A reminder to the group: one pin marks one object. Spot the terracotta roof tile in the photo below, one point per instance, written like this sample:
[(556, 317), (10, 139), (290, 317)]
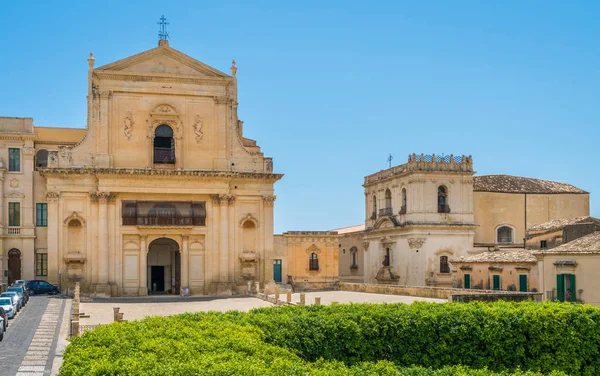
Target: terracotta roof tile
[(518, 184), (589, 244), (506, 255), (558, 224)]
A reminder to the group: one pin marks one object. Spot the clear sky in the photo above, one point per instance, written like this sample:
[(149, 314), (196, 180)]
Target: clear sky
[(331, 88)]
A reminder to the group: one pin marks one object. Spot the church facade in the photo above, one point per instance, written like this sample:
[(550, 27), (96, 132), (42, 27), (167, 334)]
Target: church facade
[(161, 194)]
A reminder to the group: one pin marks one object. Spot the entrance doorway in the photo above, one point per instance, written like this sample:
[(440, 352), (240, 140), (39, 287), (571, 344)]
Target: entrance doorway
[(164, 267), (14, 265), (277, 270)]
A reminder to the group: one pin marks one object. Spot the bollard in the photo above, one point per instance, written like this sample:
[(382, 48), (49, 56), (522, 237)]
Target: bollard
[(116, 313), (276, 294), (288, 297), (120, 316), (317, 300), (74, 328), (249, 287), (256, 287), (302, 299)]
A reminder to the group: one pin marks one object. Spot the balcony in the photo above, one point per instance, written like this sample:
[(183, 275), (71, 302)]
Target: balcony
[(402, 210), (164, 155), (13, 231), (164, 213), (386, 212)]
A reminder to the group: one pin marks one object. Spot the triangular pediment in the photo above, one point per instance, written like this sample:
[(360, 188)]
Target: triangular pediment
[(162, 60)]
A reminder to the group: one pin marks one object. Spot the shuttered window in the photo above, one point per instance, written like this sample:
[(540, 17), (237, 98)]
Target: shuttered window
[(467, 281)]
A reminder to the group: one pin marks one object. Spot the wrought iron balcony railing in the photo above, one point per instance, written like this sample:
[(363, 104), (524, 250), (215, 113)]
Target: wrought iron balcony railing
[(385, 212)]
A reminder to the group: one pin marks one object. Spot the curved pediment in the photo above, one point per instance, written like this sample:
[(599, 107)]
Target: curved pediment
[(383, 223)]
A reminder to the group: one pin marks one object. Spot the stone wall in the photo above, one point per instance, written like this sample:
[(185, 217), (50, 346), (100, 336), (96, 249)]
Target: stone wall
[(494, 297), (432, 292)]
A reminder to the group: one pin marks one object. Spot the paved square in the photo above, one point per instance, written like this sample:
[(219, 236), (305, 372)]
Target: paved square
[(101, 311)]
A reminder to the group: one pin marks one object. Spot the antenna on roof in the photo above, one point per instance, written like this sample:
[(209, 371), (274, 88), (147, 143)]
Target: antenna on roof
[(162, 32)]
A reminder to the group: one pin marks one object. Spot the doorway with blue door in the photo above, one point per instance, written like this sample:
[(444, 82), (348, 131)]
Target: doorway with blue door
[(277, 270)]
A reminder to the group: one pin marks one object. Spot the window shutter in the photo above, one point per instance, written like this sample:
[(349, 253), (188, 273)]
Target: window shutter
[(560, 287), (467, 281), (573, 297)]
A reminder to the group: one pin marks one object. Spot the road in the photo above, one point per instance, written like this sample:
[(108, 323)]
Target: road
[(30, 338)]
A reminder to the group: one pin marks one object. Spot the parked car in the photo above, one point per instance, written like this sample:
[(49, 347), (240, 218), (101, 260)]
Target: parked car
[(7, 306), (21, 282), (14, 297), (1, 329), (42, 287), (4, 315), (22, 293)]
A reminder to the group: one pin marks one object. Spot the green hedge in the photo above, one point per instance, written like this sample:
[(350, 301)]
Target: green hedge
[(360, 339)]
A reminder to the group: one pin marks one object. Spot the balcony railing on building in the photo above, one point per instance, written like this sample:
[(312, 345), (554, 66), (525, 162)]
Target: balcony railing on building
[(164, 155), (385, 212), (14, 231), (164, 213)]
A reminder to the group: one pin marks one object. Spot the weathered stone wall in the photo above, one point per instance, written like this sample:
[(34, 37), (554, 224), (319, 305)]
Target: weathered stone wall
[(424, 291), (494, 297), (572, 232)]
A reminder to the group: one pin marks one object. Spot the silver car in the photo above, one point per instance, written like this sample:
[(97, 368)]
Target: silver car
[(8, 306), (15, 299)]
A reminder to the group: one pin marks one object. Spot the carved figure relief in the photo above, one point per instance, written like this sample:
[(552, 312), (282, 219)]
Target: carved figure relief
[(128, 122), (14, 183), (313, 249), (198, 125)]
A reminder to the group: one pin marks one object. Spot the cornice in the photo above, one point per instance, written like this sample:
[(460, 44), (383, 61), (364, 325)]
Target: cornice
[(17, 136), (162, 77), (154, 172)]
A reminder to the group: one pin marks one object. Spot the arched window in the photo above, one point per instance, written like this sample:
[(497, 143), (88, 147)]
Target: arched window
[(444, 266), (388, 203), (164, 145), (313, 262), (386, 258), (41, 158), (354, 253), (505, 234), (443, 206), (403, 208), (374, 215)]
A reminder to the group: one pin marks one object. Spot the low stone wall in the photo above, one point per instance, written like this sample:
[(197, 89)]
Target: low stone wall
[(438, 292), (492, 297)]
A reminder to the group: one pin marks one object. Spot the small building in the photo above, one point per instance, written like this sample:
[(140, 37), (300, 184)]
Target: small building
[(513, 269), (351, 253), (308, 259), (552, 233), (570, 271)]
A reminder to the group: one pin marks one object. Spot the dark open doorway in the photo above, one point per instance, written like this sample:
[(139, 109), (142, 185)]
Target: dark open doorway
[(157, 279)]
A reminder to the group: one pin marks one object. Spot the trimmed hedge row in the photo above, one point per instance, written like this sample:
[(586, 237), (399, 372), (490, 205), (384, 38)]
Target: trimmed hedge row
[(359, 339)]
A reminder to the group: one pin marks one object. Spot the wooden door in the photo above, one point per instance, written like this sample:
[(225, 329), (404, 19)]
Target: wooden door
[(277, 270), (14, 265)]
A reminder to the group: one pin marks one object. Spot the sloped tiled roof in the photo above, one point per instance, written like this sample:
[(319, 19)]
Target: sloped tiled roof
[(558, 224), (589, 244), (518, 184), (506, 255)]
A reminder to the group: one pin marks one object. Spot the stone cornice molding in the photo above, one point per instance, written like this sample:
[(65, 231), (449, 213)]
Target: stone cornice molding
[(14, 194), (18, 136), (414, 243), (163, 77), (28, 151), (156, 172), (269, 200), (216, 200), (222, 99)]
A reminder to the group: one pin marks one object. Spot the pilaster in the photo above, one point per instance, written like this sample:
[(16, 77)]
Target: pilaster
[(143, 261), (224, 243), (185, 262), (54, 262)]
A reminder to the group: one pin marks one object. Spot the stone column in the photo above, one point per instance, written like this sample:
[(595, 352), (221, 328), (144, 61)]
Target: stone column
[(224, 243), (232, 231), (54, 227), (266, 272), (103, 238), (143, 261), (185, 269), (2, 199)]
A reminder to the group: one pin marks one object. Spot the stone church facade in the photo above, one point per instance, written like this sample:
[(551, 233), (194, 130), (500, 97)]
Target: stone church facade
[(162, 193)]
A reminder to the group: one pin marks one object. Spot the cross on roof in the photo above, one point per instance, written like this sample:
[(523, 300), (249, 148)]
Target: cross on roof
[(162, 32)]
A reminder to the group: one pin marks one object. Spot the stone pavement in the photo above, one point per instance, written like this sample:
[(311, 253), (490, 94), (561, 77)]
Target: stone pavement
[(31, 336), (101, 310)]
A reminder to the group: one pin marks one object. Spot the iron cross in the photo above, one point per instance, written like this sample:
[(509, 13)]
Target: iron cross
[(162, 33), (389, 159)]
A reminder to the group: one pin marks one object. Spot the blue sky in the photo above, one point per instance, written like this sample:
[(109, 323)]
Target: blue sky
[(330, 88)]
